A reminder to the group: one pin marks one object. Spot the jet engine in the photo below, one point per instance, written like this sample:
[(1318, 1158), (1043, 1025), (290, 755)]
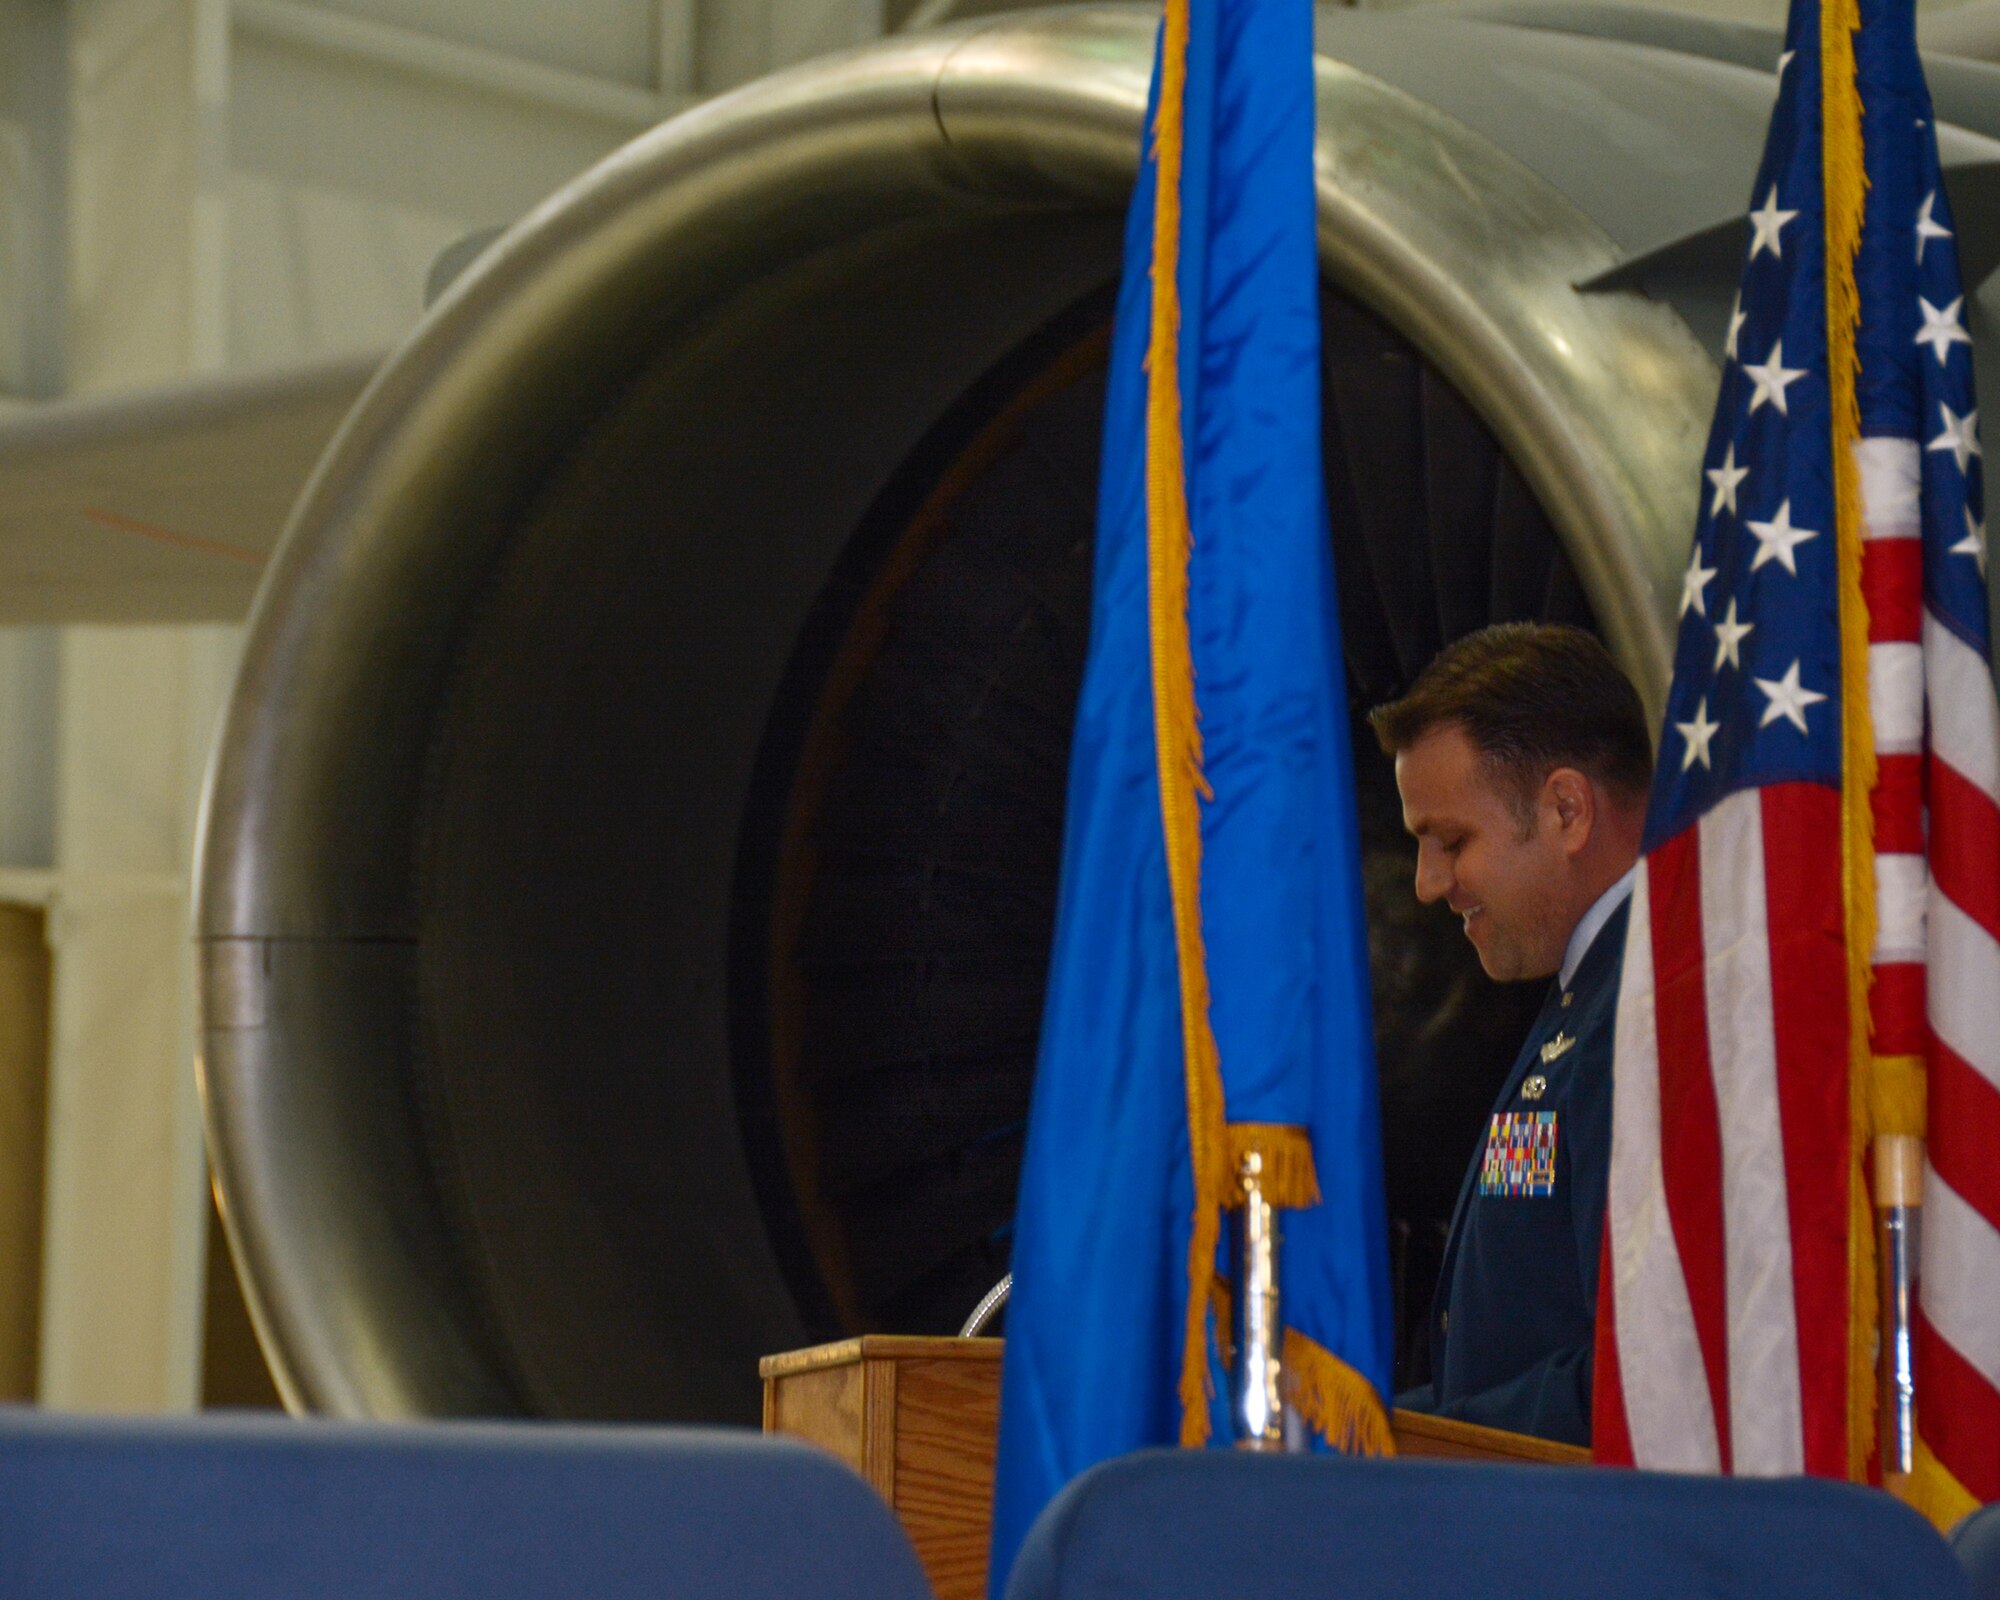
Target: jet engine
[(630, 857)]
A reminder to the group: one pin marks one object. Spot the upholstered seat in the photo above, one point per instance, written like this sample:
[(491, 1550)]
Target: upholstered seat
[(1170, 1524), (241, 1507)]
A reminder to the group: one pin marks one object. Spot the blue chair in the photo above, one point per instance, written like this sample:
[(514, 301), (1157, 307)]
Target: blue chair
[(1170, 1524), (1976, 1543), (242, 1507)]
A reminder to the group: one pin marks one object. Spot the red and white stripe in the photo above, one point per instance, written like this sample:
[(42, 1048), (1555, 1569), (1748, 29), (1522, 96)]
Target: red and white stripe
[(1958, 1326), (1725, 1247), (1937, 956), (1892, 584)]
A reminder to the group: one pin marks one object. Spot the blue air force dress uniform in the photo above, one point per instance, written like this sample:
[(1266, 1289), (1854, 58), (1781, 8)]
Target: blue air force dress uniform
[(1514, 1320)]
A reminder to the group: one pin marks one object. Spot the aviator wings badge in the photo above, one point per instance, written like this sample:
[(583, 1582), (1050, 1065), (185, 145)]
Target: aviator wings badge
[(1560, 1045)]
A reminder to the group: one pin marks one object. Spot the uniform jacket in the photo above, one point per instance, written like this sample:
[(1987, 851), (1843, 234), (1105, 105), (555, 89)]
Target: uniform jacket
[(1514, 1319)]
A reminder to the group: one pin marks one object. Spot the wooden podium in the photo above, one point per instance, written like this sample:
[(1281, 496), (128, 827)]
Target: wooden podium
[(918, 1418)]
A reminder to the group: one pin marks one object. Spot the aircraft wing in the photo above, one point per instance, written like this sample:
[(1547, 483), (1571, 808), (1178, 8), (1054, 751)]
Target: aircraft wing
[(162, 505)]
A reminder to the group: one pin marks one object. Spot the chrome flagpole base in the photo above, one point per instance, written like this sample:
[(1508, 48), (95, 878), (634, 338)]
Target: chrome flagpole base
[(1255, 1406)]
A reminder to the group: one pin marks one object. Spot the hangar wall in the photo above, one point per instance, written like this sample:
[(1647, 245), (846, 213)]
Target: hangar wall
[(197, 186)]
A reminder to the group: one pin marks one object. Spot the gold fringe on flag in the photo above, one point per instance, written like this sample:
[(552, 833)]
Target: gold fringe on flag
[(1176, 721), (1289, 1179), (1336, 1402), (1845, 185), (1932, 1490)]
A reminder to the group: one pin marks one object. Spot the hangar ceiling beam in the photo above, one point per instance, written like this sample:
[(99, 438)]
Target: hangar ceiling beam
[(380, 44)]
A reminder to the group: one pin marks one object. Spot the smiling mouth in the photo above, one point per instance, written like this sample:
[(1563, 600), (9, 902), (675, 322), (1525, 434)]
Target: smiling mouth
[(1468, 914)]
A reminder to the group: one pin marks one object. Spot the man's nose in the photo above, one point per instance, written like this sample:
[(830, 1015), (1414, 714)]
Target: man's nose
[(1433, 881)]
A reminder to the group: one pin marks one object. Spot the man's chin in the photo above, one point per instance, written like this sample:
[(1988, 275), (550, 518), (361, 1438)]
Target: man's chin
[(1502, 961), (1509, 966)]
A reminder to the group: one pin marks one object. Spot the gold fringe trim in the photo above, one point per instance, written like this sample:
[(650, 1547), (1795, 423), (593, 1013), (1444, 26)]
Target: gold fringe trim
[(1290, 1179), (1845, 184), (1933, 1490), (1176, 720), (1336, 1402), (1896, 1095)]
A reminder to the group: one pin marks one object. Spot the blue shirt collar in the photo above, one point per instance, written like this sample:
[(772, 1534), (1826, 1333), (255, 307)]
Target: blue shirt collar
[(1592, 923)]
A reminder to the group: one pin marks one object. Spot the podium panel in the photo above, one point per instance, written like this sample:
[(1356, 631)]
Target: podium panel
[(919, 1419)]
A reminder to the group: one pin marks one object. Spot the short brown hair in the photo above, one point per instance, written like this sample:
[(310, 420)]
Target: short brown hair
[(1531, 696)]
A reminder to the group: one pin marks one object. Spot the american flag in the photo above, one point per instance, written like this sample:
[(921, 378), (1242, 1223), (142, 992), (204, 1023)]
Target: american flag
[(1732, 1337)]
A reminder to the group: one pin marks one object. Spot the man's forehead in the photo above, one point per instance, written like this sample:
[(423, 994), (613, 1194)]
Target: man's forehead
[(1440, 778), (1420, 818)]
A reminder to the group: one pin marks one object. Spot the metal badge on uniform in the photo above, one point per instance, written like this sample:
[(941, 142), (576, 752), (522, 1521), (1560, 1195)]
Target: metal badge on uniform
[(1558, 1046), (1534, 1087), (1520, 1155)]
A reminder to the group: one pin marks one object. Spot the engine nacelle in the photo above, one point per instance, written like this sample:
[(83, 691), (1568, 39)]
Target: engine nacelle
[(629, 861)]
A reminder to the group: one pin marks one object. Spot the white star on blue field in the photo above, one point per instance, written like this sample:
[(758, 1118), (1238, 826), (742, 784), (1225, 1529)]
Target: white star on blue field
[(1756, 692)]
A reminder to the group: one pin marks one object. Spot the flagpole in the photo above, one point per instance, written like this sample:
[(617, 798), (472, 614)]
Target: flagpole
[(1255, 1404), (1899, 1192)]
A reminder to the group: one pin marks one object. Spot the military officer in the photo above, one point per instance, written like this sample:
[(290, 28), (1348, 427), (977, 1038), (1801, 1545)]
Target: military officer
[(1523, 762)]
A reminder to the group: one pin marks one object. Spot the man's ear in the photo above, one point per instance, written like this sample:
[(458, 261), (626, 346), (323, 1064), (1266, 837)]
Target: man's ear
[(1569, 794)]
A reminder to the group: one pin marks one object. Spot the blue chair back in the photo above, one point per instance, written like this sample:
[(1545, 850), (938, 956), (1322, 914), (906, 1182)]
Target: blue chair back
[(1976, 1543), (242, 1507), (1174, 1525)]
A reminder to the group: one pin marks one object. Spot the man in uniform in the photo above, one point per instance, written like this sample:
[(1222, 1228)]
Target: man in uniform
[(1523, 762)]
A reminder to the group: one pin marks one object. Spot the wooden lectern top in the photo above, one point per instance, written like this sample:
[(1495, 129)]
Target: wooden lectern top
[(878, 1347), (919, 1419), (1418, 1435)]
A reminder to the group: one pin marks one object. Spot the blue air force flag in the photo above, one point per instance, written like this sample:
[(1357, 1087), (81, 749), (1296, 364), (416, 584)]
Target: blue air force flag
[(1209, 989)]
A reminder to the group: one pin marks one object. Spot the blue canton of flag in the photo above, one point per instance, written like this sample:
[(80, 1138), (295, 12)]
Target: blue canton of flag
[(1756, 685)]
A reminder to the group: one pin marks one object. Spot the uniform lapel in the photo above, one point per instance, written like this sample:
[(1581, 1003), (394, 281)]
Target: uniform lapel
[(1595, 969)]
